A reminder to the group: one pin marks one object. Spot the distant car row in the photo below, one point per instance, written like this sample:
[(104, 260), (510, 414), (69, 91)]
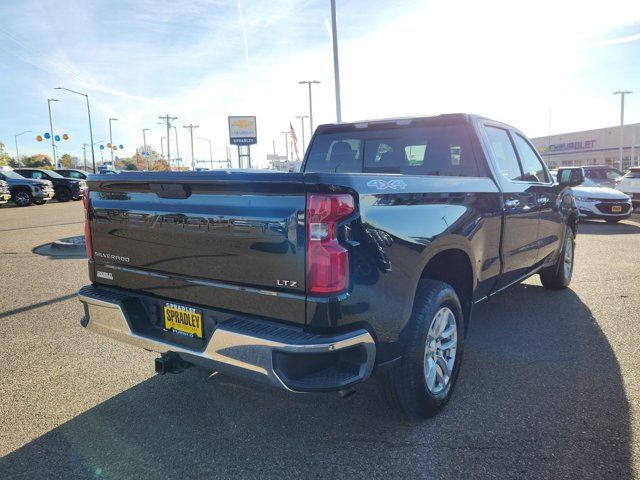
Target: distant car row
[(596, 200), (27, 186)]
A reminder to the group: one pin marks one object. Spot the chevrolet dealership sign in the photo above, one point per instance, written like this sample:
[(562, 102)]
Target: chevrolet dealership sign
[(243, 130), (568, 147)]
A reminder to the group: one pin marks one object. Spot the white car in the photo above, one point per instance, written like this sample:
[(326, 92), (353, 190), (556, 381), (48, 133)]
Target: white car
[(601, 202), (630, 184)]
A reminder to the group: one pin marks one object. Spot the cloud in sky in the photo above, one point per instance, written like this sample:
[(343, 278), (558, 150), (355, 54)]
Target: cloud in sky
[(190, 58)]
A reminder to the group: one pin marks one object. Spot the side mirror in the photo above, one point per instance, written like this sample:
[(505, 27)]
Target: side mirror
[(570, 177)]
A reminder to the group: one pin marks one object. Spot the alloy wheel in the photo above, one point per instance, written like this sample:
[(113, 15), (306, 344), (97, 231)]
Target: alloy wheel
[(440, 350)]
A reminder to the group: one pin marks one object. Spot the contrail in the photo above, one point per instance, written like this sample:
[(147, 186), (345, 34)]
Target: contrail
[(244, 36), (614, 41)]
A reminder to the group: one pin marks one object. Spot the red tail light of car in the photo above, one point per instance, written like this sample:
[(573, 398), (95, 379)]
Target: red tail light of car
[(87, 223), (327, 260)]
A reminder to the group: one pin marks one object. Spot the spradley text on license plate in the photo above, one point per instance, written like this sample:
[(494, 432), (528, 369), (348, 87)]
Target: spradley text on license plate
[(182, 319), (616, 209)]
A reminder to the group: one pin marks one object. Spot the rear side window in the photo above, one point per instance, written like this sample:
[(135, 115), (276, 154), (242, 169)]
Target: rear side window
[(429, 150), (533, 170), (504, 153)]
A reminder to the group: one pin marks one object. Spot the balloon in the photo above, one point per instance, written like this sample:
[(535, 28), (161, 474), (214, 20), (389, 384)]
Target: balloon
[(109, 145), (101, 147), (47, 135), (65, 137), (57, 138), (121, 147), (115, 148), (39, 138)]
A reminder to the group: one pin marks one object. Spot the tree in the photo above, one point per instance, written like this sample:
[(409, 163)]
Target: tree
[(4, 156), (39, 160), (66, 161)]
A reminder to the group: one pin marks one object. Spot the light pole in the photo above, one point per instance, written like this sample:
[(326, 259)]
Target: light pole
[(84, 154), (162, 139), (622, 93), (309, 82), (144, 145), (302, 117), (336, 68), (286, 143), (93, 154), (190, 127), (175, 131), (53, 141), (15, 137), (111, 139), (210, 150)]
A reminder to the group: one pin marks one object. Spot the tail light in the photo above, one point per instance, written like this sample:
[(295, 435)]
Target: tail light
[(87, 223), (327, 260)]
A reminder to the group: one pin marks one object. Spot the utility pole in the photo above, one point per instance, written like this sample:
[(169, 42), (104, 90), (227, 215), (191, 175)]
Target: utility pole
[(175, 131), (193, 158), (162, 139), (302, 117), (309, 82), (622, 93), (274, 148), (53, 141), (15, 137), (286, 143), (111, 140), (168, 119), (144, 145), (336, 68)]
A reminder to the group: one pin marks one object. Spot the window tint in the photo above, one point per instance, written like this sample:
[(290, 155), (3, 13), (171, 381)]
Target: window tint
[(26, 173), (428, 150), (595, 174), (503, 152), (612, 174), (533, 170), (36, 174), (74, 174)]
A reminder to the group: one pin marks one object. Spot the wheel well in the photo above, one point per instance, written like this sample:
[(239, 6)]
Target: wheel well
[(573, 222), (453, 267)]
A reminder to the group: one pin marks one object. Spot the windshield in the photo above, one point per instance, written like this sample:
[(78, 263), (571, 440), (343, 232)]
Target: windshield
[(428, 150), (10, 174), (589, 183)]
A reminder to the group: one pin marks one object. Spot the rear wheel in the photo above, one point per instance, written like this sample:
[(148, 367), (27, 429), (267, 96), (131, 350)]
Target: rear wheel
[(22, 198), (558, 276), (421, 384)]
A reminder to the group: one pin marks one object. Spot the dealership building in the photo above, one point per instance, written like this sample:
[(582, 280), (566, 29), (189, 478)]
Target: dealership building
[(591, 147)]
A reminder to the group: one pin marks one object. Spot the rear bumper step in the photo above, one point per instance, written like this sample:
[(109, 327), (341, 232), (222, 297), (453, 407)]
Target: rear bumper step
[(284, 356)]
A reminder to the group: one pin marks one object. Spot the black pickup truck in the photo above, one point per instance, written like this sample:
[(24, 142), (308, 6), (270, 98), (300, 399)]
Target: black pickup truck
[(368, 261)]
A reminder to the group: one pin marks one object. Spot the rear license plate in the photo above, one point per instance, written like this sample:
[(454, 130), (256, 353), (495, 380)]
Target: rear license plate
[(616, 209), (183, 320)]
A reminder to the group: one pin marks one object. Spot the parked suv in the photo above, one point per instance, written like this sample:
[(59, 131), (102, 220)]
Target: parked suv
[(65, 188), (602, 175), (630, 184), (25, 191), (72, 173), (5, 194)]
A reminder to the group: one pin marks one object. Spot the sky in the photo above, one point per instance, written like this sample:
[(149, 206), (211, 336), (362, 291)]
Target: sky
[(544, 66)]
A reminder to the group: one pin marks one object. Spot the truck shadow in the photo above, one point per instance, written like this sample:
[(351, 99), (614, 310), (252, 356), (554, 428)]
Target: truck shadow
[(540, 395), (595, 227)]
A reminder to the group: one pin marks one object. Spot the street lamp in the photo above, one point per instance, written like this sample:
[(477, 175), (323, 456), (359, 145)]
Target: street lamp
[(144, 145), (93, 154), (336, 69), (175, 130), (16, 139), (111, 139), (190, 127), (622, 93), (302, 117), (162, 139), (210, 150), (309, 82), (53, 142)]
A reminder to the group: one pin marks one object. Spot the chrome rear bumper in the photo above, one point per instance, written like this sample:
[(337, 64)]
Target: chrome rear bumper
[(250, 348)]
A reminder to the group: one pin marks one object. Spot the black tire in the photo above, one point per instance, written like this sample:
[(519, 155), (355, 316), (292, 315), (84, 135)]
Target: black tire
[(404, 385), (38, 202), (75, 199), (63, 195), (22, 198), (557, 277), (612, 220)]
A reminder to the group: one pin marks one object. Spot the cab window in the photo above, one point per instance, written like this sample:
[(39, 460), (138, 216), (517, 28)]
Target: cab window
[(504, 153), (532, 168)]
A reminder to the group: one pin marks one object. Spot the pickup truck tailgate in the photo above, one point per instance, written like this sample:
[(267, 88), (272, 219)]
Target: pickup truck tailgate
[(230, 240)]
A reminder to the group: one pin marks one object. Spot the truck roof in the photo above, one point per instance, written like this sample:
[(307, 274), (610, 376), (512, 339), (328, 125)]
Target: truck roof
[(445, 118)]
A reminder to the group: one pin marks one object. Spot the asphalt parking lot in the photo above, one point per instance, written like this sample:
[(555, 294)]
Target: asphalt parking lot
[(550, 386)]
